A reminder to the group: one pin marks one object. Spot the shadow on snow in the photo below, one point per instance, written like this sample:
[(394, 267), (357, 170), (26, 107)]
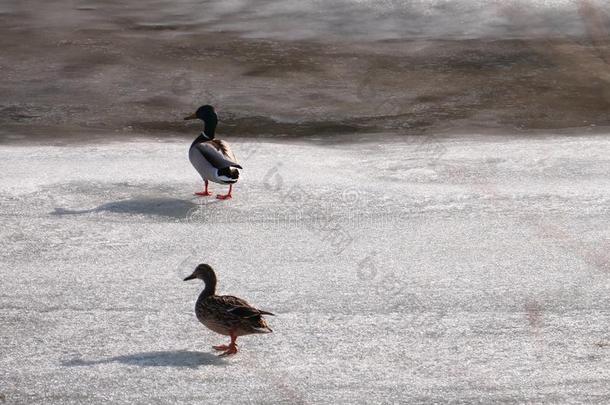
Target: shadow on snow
[(166, 207), (177, 358)]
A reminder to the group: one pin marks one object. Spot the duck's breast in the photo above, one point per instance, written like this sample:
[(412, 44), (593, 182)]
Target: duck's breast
[(217, 327)]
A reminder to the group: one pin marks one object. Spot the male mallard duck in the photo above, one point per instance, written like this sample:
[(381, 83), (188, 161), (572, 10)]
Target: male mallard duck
[(212, 158), (225, 314)]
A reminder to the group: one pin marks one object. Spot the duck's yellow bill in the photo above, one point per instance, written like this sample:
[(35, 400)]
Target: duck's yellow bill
[(193, 116)]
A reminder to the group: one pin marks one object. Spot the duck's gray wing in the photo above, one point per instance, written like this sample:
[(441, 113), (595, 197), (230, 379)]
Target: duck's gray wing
[(212, 151), (225, 149)]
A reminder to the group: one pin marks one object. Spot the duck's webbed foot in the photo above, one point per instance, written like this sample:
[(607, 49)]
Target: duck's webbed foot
[(205, 192), (221, 348), (227, 196), (231, 350)]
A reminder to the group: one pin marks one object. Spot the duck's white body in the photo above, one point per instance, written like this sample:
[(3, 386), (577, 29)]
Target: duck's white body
[(210, 157)]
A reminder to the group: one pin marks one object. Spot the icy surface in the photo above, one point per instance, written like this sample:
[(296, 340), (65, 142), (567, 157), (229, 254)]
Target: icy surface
[(426, 270)]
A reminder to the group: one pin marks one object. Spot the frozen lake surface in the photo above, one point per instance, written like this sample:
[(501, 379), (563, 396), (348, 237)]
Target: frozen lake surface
[(459, 269)]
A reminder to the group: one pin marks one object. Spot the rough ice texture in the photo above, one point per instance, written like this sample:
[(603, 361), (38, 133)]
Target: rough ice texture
[(426, 270)]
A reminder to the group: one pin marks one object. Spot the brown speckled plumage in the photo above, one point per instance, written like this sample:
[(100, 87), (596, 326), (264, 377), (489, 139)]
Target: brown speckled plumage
[(226, 314)]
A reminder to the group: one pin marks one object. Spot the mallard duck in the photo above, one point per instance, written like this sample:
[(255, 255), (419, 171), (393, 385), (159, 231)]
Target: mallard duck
[(225, 314), (212, 158)]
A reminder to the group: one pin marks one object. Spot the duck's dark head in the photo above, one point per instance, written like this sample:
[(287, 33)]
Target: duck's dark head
[(206, 114), (203, 272)]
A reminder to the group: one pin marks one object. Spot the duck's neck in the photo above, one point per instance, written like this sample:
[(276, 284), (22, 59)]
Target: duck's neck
[(201, 138), (209, 129), (210, 287), (208, 133)]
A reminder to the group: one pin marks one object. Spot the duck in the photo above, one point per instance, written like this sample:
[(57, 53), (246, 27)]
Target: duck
[(212, 158), (225, 314)]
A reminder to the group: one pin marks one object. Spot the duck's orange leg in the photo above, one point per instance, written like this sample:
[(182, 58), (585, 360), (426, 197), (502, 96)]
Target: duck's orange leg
[(232, 348), (205, 192), (226, 196)]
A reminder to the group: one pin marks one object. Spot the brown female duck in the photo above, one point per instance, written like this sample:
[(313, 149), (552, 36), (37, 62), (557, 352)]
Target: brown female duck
[(225, 314)]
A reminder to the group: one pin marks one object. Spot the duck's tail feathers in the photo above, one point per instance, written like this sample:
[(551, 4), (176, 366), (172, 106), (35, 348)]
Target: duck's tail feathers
[(228, 173), (266, 329)]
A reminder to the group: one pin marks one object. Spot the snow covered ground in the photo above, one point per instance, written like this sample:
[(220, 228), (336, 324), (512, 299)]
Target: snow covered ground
[(420, 270)]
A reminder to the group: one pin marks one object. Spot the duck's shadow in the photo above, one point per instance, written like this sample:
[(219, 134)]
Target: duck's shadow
[(166, 207), (178, 358)]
